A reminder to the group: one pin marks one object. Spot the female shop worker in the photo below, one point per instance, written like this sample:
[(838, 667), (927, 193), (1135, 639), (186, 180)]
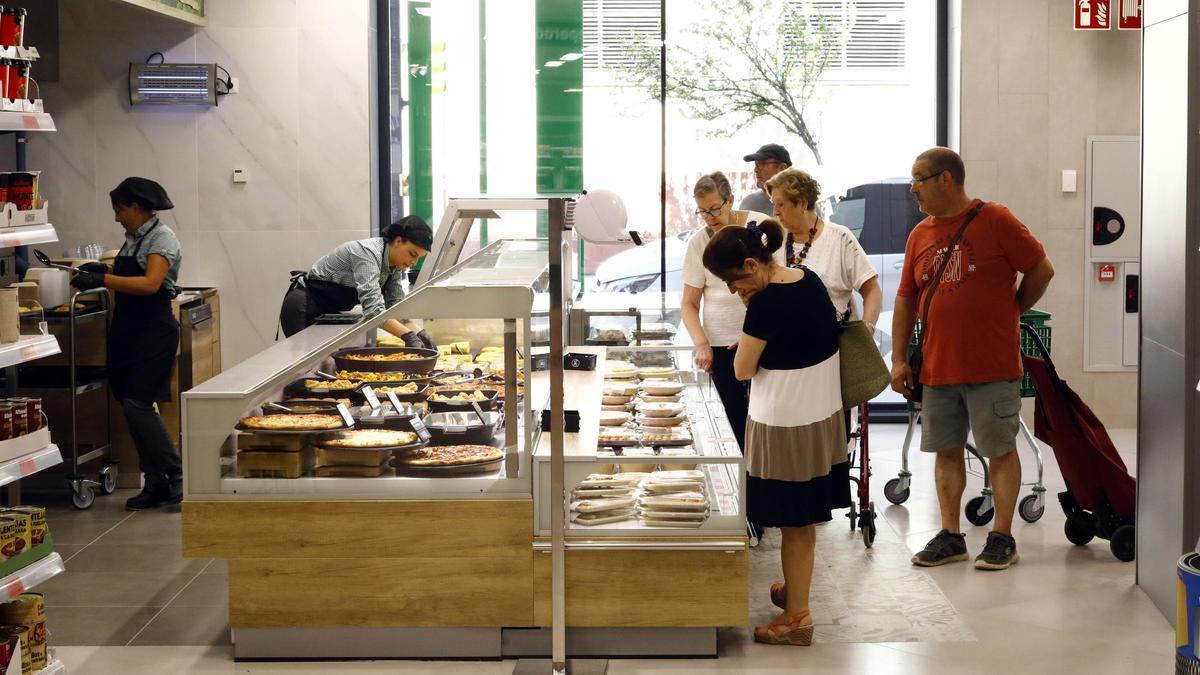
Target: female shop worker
[(366, 271), (144, 335)]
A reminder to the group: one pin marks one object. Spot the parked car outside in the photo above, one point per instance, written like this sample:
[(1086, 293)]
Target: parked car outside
[(880, 213)]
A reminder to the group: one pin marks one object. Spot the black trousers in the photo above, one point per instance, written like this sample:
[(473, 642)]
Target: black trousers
[(734, 395), (158, 458)]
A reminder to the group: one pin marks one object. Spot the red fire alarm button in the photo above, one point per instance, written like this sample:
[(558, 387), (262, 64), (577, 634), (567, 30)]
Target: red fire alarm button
[(1108, 273)]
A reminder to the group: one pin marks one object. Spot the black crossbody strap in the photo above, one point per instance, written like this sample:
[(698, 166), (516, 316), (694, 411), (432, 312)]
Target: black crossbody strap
[(937, 279)]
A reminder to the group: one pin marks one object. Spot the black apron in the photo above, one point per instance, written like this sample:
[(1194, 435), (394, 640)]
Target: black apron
[(308, 297), (143, 337)]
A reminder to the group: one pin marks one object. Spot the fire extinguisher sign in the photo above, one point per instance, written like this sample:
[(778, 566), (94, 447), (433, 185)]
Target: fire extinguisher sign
[(1092, 14)]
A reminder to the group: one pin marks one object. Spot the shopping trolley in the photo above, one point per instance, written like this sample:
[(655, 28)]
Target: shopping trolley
[(980, 510)]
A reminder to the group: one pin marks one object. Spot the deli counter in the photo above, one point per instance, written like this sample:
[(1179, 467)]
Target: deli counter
[(451, 561)]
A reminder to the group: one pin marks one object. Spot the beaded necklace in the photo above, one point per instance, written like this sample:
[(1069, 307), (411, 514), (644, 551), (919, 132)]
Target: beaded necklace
[(796, 259)]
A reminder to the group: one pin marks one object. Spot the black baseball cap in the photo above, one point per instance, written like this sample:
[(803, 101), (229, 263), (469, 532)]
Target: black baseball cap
[(770, 151)]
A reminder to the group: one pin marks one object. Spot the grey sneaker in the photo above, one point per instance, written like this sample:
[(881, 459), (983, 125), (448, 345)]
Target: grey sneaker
[(999, 553), (946, 547)]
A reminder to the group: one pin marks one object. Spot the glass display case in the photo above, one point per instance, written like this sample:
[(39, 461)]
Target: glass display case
[(654, 457), (481, 308), (625, 319)]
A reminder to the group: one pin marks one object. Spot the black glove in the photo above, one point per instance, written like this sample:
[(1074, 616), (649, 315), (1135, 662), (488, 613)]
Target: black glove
[(86, 281), (97, 267), (411, 339), (426, 341)]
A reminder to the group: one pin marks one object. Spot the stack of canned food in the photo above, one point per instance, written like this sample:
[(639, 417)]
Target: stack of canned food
[(19, 416)]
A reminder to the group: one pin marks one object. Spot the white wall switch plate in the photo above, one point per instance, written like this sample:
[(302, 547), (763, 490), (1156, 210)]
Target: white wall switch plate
[(1069, 182), (240, 176)]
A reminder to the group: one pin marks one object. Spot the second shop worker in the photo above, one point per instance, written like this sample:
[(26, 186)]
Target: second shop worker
[(367, 272)]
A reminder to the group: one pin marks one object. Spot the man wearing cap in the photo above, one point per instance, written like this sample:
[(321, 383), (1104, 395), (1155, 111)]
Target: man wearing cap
[(769, 160)]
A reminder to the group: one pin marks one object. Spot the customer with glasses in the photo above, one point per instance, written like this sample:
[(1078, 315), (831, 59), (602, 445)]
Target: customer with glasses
[(769, 160), (971, 335), (796, 464), (715, 324)]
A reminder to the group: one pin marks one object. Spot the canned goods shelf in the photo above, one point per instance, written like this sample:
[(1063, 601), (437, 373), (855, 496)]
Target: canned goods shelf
[(25, 120), (27, 465), (12, 237), (29, 576), (28, 348)]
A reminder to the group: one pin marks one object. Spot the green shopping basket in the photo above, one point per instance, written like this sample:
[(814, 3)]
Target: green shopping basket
[(1034, 318)]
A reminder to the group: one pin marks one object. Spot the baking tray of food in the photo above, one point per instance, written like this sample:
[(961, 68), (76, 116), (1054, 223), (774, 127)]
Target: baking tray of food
[(463, 427), (407, 392), (394, 359), (313, 387), (455, 400)]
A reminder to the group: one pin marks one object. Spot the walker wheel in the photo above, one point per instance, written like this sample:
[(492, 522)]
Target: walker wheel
[(893, 493), (866, 523), (853, 516), (1030, 510), (974, 516)]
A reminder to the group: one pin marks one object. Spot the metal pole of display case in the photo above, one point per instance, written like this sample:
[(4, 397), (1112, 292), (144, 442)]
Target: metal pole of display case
[(558, 555)]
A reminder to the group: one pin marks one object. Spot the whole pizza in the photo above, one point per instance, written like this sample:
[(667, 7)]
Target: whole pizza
[(305, 422), (369, 438), (451, 455)]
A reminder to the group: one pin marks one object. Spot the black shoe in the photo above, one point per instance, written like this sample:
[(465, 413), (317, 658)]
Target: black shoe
[(999, 553), (946, 547), (174, 491), (153, 494)]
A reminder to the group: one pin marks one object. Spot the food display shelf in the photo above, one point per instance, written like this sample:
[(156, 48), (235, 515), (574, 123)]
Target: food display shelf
[(30, 576), (28, 348), (26, 465), (724, 518), (56, 667)]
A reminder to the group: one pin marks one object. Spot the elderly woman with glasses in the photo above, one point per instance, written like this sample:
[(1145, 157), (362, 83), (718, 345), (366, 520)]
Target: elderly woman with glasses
[(715, 335)]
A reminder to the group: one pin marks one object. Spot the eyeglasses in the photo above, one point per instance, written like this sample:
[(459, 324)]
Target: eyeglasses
[(915, 181), (710, 213)]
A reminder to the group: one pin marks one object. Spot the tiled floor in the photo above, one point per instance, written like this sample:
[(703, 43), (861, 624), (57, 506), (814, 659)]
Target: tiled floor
[(1063, 609)]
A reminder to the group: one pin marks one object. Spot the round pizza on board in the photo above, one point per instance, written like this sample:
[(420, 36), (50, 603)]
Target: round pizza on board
[(369, 438), (284, 422), (451, 455)]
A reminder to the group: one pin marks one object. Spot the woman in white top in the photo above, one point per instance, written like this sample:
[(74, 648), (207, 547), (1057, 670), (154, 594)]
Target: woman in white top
[(829, 249), (715, 336)]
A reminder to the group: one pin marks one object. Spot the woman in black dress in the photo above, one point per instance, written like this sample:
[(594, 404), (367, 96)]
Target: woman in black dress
[(798, 470)]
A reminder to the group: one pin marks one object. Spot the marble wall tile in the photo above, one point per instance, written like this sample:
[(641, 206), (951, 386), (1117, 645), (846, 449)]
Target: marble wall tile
[(1022, 61), (981, 177), (258, 13), (1022, 171), (255, 130), (334, 130), (250, 268), (1154, 11)]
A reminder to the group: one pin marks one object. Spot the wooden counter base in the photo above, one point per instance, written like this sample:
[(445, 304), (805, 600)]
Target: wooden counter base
[(399, 563), (646, 588)]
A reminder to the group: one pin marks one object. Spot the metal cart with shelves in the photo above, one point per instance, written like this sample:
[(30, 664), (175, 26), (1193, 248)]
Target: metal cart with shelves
[(72, 386)]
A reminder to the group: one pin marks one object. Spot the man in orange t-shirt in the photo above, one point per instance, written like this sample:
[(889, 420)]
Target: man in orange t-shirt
[(972, 360)]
